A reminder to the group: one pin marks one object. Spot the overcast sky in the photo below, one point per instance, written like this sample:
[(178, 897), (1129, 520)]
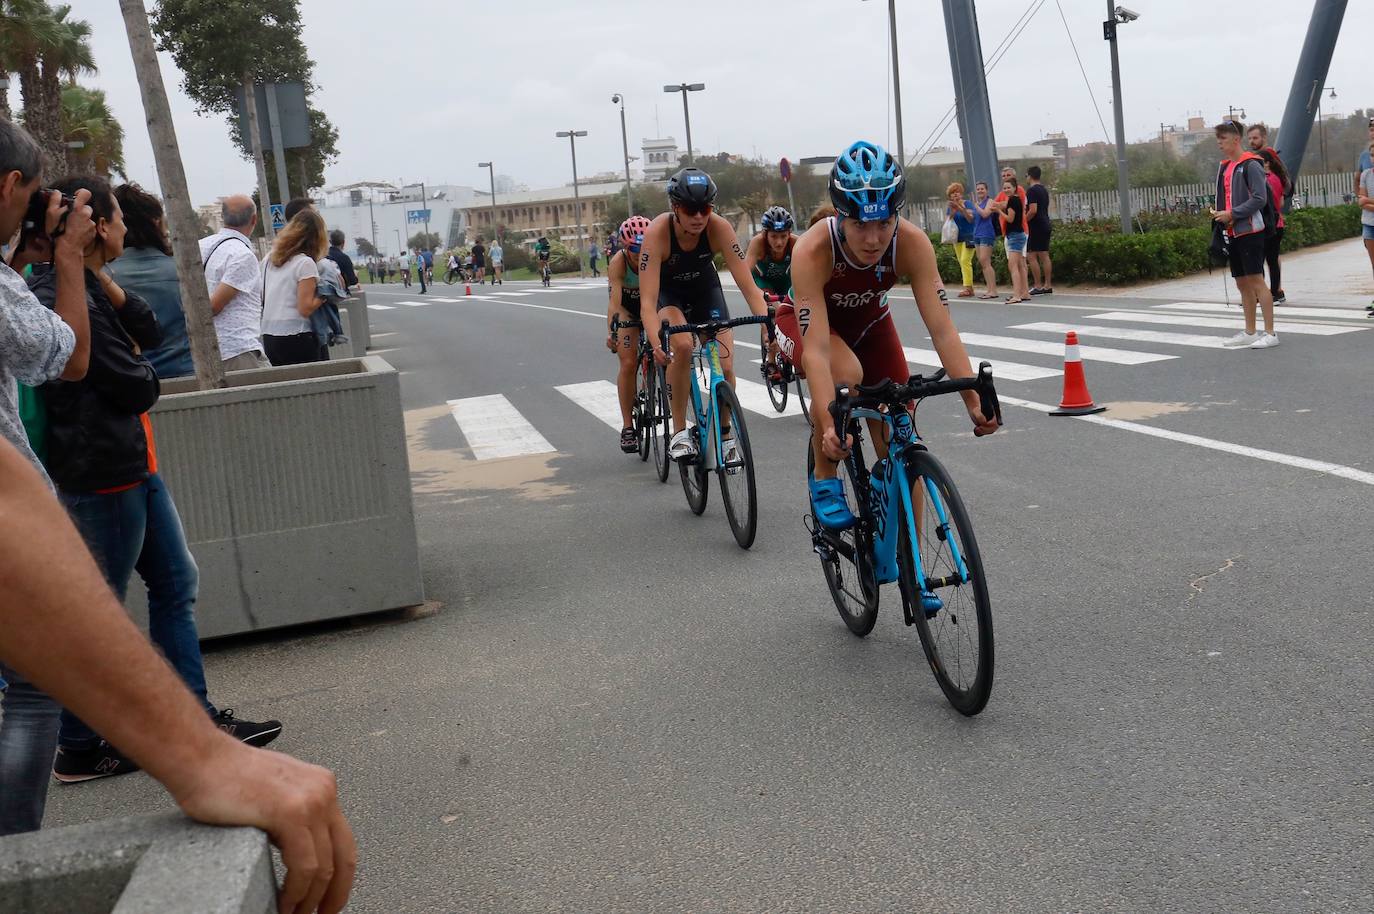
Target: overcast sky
[(424, 89)]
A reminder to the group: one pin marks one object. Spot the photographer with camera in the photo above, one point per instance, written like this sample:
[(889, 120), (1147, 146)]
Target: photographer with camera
[(36, 345)]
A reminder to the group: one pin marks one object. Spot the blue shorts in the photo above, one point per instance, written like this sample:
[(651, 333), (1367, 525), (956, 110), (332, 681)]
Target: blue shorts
[(985, 242), (1016, 242), (1368, 232)]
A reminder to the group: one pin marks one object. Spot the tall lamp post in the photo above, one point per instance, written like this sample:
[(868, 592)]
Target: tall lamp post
[(1119, 15), (572, 136), (896, 80), (1321, 127), (491, 173), (684, 88), (619, 99)]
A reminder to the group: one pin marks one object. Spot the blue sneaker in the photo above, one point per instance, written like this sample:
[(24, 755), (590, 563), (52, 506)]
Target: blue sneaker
[(829, 505), (931, 603)]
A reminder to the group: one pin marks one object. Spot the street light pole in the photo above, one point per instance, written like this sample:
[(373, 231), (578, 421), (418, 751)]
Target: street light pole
[(896, 79), (491, 173), (1321, 127), (684, 88), (625, 145), (1115, 16), (572, 136)]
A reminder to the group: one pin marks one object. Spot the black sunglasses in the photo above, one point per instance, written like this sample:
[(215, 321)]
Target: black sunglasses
[(695, 210)]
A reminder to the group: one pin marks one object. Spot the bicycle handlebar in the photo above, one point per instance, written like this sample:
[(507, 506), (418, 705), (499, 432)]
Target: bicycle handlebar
[(711, 328), (889, 393)]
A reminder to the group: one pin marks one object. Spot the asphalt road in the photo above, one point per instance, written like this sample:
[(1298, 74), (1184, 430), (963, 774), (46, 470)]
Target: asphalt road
[(618, 710)]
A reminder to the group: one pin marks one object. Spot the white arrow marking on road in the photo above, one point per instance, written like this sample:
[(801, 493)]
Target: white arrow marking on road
[(493, 428), (600, 398), (1295, 311), (1302, 463), (1011, 371), (1223, 323), (1199, 340), (1092, 353)]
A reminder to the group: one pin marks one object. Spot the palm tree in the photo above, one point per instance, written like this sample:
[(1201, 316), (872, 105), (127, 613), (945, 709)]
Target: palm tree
[(87, 119), (27, 28), (70, 56)]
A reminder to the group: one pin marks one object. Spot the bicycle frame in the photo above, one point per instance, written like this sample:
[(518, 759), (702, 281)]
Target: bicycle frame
[(704, 357), (887, 495)]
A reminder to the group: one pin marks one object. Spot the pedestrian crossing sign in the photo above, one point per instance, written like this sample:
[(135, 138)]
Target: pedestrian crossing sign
[(278, 216)]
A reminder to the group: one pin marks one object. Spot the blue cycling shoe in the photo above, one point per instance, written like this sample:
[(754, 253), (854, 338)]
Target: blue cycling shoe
[(931, 603), (829, 505)]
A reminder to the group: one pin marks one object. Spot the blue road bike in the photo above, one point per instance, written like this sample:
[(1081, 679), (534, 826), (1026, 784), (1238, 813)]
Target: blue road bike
[(911, 527), (709, 409)]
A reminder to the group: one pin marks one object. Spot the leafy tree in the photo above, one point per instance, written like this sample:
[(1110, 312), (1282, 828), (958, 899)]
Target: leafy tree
[(87, 119), (43, 45), (365, 248), (649, 202), (27, 27), (70, 56), (425, 242)]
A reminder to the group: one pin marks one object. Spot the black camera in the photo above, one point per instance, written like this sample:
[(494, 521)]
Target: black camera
[(36, 216)]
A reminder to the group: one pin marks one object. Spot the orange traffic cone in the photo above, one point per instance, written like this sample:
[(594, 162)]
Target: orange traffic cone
[(1077, 401), (467, 289)]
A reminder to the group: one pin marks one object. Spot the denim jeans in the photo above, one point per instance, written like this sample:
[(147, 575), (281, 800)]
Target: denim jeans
[(139, 529), (28, 740)]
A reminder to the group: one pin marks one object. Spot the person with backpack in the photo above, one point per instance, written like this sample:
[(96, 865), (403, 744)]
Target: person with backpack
[(1280, 186), (1244, 210), (234, 280)]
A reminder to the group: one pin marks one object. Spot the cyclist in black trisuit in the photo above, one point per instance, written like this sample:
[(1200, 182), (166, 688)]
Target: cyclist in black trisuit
[(677, 271)]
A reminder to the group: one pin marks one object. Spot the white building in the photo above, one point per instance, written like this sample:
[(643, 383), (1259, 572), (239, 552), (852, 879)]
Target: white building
[(388, 216), (660, 158)]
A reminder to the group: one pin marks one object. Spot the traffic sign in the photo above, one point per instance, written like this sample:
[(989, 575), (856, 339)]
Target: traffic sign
[(278, 216), (417, 215), (785, 168)]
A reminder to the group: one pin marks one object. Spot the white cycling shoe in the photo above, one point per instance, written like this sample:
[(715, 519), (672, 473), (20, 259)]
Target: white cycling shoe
[(683, 445)]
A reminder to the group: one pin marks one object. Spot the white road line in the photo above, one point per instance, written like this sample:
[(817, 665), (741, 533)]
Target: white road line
[(1011, 371), (600, 398), (753, 396), (413, 304), (1295, 311), (447, 300), (1224, 323), (1129, 333), (380, 308), (1302, 463), (1091, 353), (493, 428), (513, 294)]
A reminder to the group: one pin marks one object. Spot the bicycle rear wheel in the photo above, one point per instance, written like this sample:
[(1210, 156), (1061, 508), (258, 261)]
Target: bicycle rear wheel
[(847, 559), (777, 387), (644, 407), (660, 424), (737, 488), (957, 640)]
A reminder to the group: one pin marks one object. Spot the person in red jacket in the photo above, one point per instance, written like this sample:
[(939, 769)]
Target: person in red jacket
[(1242, 193)]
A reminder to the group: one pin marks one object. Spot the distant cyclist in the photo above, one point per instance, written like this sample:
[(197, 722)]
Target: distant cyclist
[(769, 258), (677, 274), (842, 269), (541, 253), (623, 276)]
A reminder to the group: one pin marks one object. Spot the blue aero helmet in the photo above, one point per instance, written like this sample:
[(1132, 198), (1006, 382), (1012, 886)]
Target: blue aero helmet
[(866, 183)]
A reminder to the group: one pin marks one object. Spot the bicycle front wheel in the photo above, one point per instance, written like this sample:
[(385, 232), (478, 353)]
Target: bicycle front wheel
[(736, 476), (957, 638), (847, 559), (644, 407), (660, 419)]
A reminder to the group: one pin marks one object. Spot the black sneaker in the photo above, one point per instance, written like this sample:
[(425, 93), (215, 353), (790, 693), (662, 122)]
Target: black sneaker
[(247, 731), (71, 766), (1036, 290), (629, 440)]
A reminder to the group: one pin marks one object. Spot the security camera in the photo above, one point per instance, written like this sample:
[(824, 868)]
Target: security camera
[(615, 99), (1126, 15)]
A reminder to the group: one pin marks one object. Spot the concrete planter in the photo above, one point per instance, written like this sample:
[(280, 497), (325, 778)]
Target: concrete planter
[(145, 865), (354, 314), (294, 487)]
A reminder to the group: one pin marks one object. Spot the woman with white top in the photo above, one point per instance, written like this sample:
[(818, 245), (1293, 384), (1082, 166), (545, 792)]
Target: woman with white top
[(288, 292)]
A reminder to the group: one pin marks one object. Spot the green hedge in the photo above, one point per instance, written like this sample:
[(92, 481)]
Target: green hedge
[(1109, 258)]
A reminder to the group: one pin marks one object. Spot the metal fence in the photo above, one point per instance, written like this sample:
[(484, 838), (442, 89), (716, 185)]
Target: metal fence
[(1312, 190)]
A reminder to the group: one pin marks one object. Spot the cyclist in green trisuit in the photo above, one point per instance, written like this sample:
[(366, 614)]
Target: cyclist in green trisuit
[(541, 254), (623, 278), (769, 258)]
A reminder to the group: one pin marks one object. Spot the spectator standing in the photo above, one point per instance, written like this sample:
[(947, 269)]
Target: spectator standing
[(1366, 201), (36, 345), (1241, 195), (342, 260), (421, 268), (965, 220), (1001, 198), (1038, 228), (985, 237), (479, 260), (290, 279), (1012, 206), (234, 280), (1257, 137), (452, 268), (594, 252), (1280, 185), (148, 269), (1365, 160), (296, 204), (498, 262)]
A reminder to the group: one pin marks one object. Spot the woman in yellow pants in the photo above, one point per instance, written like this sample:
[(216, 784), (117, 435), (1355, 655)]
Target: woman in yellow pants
[(962, 214)]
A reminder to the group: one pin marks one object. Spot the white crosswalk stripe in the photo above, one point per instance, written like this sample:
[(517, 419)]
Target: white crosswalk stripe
[(446, 300), (513, 294), (380, 308), (494, 428), (1289, 310), (1223, 323), (413, 304), (600, 398), (1001, 370), (1090, 353), (753, 396), (1129, 333)]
